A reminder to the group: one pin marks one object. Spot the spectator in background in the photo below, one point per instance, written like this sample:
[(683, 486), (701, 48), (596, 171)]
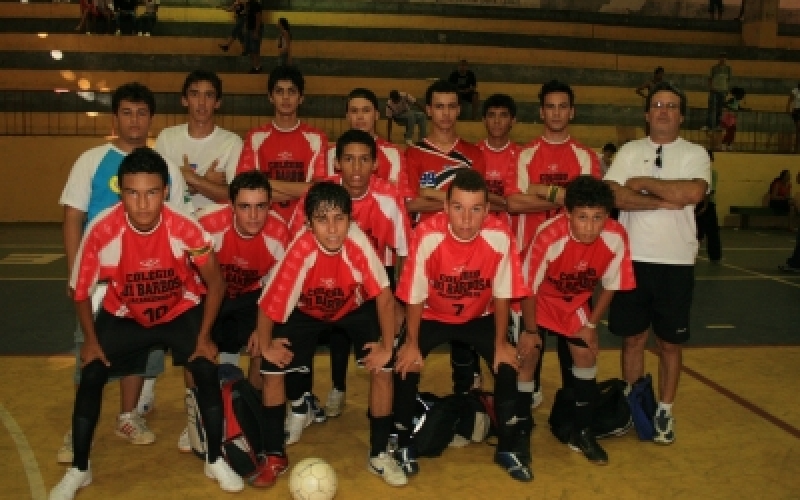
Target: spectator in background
[(126, 16), (148, 19), (285, 42), (793, 262), (609, 150), (644, 89), (239, 9), (90, 15), (780, 194), (728, 120), (715, 7), (706, 217), (255, 31), (399, 108), (793, 108), (718, 85), (464, 79)]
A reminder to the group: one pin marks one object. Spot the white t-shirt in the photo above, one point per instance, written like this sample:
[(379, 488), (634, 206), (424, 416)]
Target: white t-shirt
[(92, 185), (661, 236), (221, 145)]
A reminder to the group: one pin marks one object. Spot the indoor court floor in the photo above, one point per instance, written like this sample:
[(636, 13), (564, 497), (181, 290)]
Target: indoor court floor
[(737, 413)]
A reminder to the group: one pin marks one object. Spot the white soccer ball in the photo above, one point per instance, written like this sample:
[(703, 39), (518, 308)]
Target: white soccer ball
[(312, 479)]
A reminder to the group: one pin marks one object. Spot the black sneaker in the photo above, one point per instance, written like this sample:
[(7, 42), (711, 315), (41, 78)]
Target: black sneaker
[(512, 464), (583, 441), (664, 425), (406, 458)]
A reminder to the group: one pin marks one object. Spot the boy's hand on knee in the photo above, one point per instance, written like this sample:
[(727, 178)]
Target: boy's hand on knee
[(377, 358), (205, 349), (91, 351), (409, 359), (277, 352)]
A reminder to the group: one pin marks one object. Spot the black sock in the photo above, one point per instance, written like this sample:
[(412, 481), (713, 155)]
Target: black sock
[(584, 391), (86, 411), (275, 438), (340, 355), (405, 394), (379, 430)]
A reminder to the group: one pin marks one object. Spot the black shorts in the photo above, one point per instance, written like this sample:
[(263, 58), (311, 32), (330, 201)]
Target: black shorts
[(303, 331), (235, 322), (392, 278), (478, 333), (127, 344), (662, 299)]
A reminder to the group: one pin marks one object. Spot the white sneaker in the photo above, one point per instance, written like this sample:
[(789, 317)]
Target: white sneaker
[(132, 427), (385, 466), (295, 423), (64, 455), (221, 472), (118, 33), (147, 34), (183, 441), (538, 397), (72, 481), (335, 404), (147, 399), (140, 33)]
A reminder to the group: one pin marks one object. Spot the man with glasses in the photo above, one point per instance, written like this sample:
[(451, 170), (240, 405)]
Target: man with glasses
[(656, 182)]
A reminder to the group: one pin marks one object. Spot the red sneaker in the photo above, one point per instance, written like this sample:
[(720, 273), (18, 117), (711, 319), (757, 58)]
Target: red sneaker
[(268, 470)]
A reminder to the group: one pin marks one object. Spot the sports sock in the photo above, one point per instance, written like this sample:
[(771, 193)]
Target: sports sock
[(209, 401), (585, 389), (667, 407), (524, 401), (405, 393), (379, 430), (340, 354), (274, 437)]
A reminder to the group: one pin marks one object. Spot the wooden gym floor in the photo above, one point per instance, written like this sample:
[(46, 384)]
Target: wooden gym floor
[(738, 417)]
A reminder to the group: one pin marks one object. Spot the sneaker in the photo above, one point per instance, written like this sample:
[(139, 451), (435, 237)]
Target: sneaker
[(64, 455), (509, 461), (789, 269), (118, 33), (383, 465), (147, 399), (220, 471), (335, 404), (538, 397), (268, 470), (663, 423), (184, 445), (316, 408), (72, 481), (583, 441), (132, 427), (406, 458), (147, 33), (295, 423)]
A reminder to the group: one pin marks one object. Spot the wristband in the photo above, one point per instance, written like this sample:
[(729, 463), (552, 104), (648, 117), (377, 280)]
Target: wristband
[(591, 325), (552, 194)]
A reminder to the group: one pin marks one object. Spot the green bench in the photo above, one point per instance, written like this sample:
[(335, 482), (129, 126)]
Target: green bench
[(745, 213)]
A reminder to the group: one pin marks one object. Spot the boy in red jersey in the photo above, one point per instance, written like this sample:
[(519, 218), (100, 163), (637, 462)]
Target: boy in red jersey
[(290, 152), (380, 212), (500, 153), (330, 276), (151, 256), (570, 254), (546, 165), (461, 274)]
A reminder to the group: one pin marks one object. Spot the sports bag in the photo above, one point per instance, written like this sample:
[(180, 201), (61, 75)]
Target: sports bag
[(435, 424), (642, 402), (611, 416)]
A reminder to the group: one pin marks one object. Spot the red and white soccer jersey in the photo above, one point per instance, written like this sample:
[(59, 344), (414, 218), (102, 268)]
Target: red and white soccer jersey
[(457, 280), (323, 285), (296, 155), (244, 260), (150, 275), (380, 214), (563, 272), (501, 171), (543, 162), (391, 165), (430, 167)]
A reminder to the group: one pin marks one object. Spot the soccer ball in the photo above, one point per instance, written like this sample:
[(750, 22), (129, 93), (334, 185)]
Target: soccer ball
[(312, 479)]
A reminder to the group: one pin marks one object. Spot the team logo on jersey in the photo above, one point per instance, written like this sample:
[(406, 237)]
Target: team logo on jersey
[(581, 266), (239, 261), (427, 179), (285, 155), (458, 269), (553, 167), (113, 184), (328, 282), (493, 174), (150, 263)]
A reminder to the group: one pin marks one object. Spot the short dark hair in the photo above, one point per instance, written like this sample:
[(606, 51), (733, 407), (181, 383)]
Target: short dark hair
[(133, 92), (659, 69), (355, 136), (669, 87), (588, 191), (395, 95), (610, 147), (500, 101), (468, 180), (289, 73), (326, 196), (143, 160), (556, 86), (254, 179), (202, 75), (440, 87), (362, 93)]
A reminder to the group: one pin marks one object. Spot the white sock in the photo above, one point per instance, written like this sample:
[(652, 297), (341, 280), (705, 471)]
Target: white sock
[(230, 358), (667, 407)]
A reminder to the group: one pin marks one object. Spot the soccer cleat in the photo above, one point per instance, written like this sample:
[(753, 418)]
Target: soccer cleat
[(268, 470), (295, 423), (221, 472), (538, 397), (147, 399), (132, 427), (184, 445), (385, 466), (522, 446), (406, 458), (72, 481), (64, 455), (583, 441), (316, 408), (335, 404), (509, 461), (663, 423)]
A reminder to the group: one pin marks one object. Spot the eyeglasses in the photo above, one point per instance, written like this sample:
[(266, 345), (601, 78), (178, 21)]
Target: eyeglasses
[(658, 156), (668, 105)]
